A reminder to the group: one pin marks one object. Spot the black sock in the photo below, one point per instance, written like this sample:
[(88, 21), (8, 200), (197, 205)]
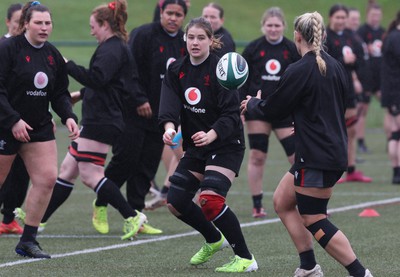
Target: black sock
[(106, 189), (396, 171), (229, 225), (29, 233), (164, 190), (101, 202), (307, 260), (351, 169), (8, 216), (62, 190), (361, 142), (355, 269), (196, 219), (257, 200)]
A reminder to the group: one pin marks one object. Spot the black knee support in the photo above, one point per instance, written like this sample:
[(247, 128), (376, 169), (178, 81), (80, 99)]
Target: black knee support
[(395, 136), (311, 205), (323, 231), (288, 145), (180, 199), (215, 181), (184, 180), (259, 142)]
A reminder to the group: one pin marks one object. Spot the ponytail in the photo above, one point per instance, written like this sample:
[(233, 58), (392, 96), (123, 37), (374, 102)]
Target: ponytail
[(115, 13)]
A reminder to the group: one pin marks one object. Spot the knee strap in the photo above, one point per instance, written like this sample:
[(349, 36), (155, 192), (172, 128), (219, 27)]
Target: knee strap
[(395, 136), (183, 179), (212, 205), (311, 205), (180, 199), (323, 231), (217, 182), (259, 142), (351, 121), (288, 145), (87, 156)]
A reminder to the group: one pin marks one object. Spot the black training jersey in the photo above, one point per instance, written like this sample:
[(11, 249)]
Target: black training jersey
[(153, 50), (192, 96), (390, 71), (3, 38), (317, 104), (373, 38), (228, 44), (363, 64), (108, 82), (30, 79), (267, 62), (341, 44)]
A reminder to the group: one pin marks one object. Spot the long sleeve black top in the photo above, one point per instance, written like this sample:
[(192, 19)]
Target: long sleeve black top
[(30, 79), (192, 96), (108, 82), (317, 104)]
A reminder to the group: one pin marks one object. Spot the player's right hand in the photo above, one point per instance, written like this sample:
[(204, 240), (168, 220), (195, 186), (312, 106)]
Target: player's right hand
[(20, 131)]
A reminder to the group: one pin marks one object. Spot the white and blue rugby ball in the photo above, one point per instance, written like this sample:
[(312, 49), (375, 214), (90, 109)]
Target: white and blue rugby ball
[(232, 71)]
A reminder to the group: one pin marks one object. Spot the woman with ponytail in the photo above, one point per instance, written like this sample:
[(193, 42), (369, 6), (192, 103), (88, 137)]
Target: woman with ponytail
[(138, 151), (314, 91), (32, 76), (108, 82)]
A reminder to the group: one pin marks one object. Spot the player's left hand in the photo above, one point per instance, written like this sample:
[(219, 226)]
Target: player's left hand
[(243, 104), (72, 128), (202, 138)]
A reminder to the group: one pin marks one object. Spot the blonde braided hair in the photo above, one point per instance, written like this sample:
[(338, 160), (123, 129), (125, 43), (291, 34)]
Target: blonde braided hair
[(317, 41), (312, 29)]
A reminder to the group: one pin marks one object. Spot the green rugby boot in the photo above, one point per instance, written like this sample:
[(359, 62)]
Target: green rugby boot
[(99, 218), (208, 250), (238, 264)]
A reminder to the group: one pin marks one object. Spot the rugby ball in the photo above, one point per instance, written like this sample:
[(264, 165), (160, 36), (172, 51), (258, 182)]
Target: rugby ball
[(232, 71)]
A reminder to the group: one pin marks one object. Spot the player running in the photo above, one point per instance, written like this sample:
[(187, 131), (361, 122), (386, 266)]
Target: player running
[(214, 148)]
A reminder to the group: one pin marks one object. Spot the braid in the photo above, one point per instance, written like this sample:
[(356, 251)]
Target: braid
[(317, 41)]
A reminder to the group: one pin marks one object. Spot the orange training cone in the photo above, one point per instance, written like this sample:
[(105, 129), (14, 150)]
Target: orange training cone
[(368, 213)]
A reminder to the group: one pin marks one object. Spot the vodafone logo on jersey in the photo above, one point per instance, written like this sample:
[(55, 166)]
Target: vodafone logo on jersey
[(41, 80), (273, 67), (346, 51), (193, 95), (169, 61), (376, 48)]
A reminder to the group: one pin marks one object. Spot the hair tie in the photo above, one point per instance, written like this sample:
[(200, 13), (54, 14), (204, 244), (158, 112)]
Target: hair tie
[(35, 3), (111, 5)]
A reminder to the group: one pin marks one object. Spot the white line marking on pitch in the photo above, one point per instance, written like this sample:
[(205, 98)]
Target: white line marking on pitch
[(162, 238)]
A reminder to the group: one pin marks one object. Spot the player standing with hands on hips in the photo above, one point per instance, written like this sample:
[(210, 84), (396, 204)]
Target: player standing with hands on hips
[(313, 90), (33, 74), (214, 143)]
